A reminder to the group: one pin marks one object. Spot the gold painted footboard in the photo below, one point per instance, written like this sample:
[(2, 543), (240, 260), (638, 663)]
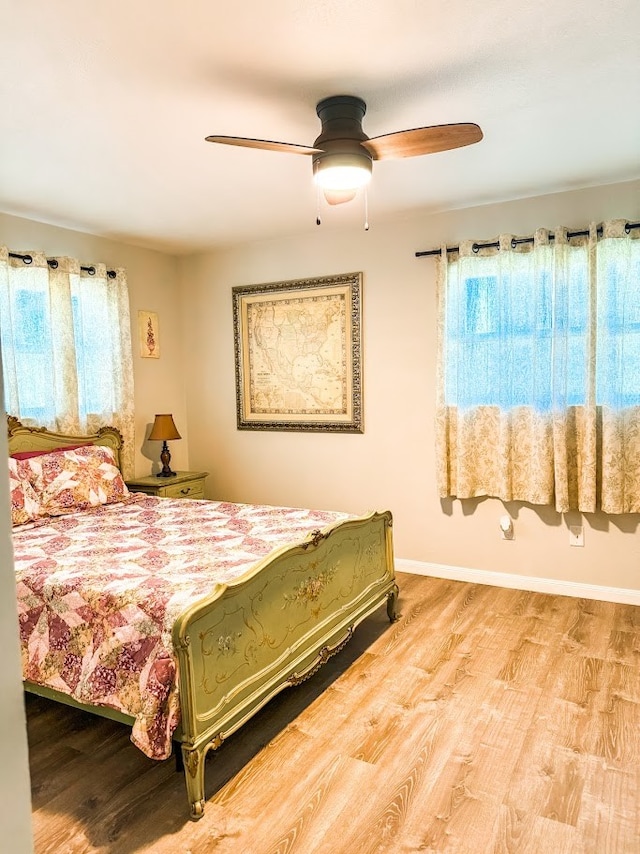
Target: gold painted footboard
[(273, 628)]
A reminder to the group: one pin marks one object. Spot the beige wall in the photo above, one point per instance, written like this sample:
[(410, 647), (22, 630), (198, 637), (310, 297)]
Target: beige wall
[(392, 463), (152, 278)]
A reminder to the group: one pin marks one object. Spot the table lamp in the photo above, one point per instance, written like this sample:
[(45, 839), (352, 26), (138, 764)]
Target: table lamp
[(164, 429)]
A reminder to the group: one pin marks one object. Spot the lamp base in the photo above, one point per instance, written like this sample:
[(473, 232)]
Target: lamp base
[(165, 459)]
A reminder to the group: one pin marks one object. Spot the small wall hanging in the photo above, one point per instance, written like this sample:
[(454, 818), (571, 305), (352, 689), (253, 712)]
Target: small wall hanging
[(148, 333)]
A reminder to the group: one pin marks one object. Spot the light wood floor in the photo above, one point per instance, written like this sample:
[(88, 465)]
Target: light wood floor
[(485, 720)]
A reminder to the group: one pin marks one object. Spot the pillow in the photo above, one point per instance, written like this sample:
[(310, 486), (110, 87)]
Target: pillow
[(70, 480), (25, 506), (27, 455)]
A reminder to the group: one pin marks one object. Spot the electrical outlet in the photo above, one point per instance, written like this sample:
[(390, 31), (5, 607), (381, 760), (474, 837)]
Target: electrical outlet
[(576, 535)]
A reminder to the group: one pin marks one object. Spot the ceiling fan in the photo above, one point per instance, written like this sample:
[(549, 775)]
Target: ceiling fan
[(343, 154)]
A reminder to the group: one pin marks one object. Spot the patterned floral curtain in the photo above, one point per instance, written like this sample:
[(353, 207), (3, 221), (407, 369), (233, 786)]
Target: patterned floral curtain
[(66, 347), (539, 370)]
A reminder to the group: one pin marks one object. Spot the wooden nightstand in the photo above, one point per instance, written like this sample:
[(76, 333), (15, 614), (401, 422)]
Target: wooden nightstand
[(185, 484)]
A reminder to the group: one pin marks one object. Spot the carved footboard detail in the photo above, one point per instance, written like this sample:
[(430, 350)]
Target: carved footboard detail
[(275, 627), (194, 775), (324, 655)]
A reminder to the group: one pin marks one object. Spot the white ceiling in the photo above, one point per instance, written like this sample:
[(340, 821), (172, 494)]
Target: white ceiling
[(105, 107)]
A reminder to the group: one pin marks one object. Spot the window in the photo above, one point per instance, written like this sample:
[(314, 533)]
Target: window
[(94, 347), (31, 345), (618, 329), (539, 370), (66, 346), (503, 334)]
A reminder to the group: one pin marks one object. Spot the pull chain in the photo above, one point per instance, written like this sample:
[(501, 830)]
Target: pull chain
[(318, 220), (366, 209)]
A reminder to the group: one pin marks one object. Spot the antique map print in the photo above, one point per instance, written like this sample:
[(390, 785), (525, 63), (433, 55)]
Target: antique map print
[(298, 354)]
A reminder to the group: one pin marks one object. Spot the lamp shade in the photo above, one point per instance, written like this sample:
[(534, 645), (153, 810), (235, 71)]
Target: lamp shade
[(164, 429)]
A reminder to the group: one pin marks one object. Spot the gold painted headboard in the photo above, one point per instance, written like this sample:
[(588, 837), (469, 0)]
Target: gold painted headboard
[(23, 438)]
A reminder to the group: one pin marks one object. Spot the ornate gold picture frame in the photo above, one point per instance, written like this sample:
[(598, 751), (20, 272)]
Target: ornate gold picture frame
[(298, 355)]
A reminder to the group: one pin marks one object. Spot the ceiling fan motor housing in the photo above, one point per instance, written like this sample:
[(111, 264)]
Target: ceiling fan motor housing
[(341, 134)]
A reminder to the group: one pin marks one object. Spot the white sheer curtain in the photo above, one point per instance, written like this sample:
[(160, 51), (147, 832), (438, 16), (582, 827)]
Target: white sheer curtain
[(66, 347), (539, 370)]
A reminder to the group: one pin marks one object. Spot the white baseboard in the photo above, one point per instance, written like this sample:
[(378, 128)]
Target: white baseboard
[(521, 582)]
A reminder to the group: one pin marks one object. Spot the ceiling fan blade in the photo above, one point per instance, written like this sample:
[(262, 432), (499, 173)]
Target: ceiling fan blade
[(339, 197), (411, 143), (266, 144)]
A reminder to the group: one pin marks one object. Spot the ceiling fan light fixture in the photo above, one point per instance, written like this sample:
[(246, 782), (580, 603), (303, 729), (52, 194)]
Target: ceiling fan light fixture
[(342, 171), (343, 154)]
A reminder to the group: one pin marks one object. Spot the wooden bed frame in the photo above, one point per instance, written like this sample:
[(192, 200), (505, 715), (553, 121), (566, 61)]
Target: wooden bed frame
[(271, 628)]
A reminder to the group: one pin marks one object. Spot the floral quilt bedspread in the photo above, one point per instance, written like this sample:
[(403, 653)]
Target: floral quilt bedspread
[(99, 591)]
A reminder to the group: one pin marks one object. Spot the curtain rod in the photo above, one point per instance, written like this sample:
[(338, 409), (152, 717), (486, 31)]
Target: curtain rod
[(516, 241), (27, 259)]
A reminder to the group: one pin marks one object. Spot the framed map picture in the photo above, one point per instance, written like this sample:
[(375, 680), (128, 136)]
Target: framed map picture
[(298, 355)]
